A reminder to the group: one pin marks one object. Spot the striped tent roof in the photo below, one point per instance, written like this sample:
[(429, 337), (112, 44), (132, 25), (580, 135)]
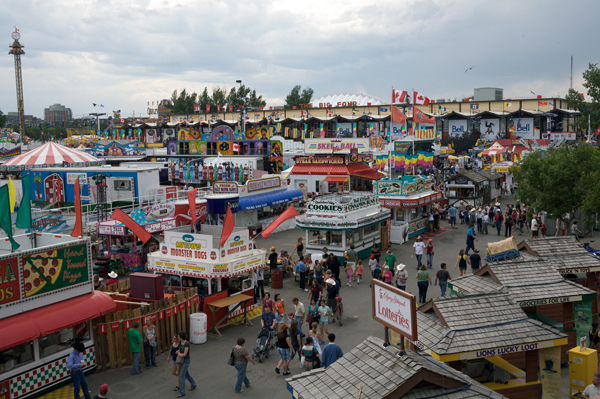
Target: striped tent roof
[(50, 154)]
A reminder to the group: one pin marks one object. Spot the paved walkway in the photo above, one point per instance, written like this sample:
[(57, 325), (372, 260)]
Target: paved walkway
[(209, 367)]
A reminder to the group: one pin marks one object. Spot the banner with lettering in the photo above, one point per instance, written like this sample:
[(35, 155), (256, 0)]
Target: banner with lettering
[(550, 372), (423, 160), (583, 319)]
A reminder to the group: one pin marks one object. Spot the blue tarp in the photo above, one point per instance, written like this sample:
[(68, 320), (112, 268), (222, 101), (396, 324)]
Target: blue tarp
[(273, 198)]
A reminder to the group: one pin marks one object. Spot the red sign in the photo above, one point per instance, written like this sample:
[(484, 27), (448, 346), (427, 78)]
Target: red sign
[(81, 329), (161, 314), (183, 213), (175, 309), (196, 107), (395, 309), (9, 282), (189, 303), (231, 108), (114, 326), (196, 299), (182, 307), (102, 328), (153, 317), (207, 108), (409, 203), (4, 390), (126, 324), (168, 312), (218, 108)]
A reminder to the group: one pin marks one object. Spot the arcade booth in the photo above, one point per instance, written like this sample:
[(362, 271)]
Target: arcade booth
[(410, 199), (123, 244), (337, 221), (336, 173), (47, 302), (494, 342), (198, 260), (471, 187)]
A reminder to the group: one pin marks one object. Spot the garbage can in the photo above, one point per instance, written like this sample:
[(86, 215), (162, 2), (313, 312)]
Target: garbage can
[(198, 328), (276, 278)]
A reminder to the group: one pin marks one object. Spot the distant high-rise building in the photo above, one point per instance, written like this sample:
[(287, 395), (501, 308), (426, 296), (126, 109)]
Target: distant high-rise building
[(57, 113)]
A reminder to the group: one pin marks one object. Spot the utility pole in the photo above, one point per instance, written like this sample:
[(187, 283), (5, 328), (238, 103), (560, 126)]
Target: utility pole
[(97, 115), (17, 51)]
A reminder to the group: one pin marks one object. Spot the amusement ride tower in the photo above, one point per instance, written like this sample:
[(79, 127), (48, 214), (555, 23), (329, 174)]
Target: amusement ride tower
[(16, 49)]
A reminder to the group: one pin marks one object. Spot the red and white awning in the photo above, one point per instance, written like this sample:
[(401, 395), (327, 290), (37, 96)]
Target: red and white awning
[(50, 154)]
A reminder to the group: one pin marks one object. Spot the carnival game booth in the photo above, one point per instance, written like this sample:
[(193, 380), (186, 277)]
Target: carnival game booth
[(488, 336), (50, 154), (410, 199), (335, 173), (337, 221), (540, 291), (198, 260), (124, 245), (470, 187), (261, 201), (47, 302)]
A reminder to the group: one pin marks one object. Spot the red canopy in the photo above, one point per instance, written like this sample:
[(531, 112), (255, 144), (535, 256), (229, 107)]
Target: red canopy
[(50, 154), (42, 321), (354, 169)]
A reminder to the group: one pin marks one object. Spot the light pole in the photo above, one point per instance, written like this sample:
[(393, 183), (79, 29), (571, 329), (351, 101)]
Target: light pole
[(97, 115), (242, 109)]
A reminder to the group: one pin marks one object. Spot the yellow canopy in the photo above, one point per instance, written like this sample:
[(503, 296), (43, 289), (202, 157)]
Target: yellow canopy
[(452, 157)]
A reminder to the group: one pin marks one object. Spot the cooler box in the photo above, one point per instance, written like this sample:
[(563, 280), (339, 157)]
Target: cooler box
[(146, 286), (198, 330)]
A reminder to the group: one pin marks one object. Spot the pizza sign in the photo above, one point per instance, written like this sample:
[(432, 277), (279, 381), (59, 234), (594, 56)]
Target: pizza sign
[(9, 281), (52, 270)]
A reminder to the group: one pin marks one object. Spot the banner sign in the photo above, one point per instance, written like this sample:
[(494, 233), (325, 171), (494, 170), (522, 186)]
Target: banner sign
[(402, 147), (583, 319), (336, 145), (395, 309), (8, 153), (71, 177), (490, 128), (457, 127), (263, 184), (550, 372), (223, 187), (355, 204)]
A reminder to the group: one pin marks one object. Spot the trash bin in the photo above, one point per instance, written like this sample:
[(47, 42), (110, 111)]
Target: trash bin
[(198, 328), (276, 278)]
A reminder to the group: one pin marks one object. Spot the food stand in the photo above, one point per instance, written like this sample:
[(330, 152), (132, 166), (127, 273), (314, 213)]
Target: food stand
[(493, 342), (410, 200), (197, 260), (337, 221), (123, 244), (47, 301)]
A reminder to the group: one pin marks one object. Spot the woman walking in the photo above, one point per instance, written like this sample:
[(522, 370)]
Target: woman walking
[(285, 350), (279, 309), (150, 343), (375, 251), (324, 312), (429, 249), (175, 368), (241, 357), (423, 281), (184, 352), (310, 354), (267, 302), (316, 336), (315, 291), (461, 262), (387, 275), (299, 249), (295, 337)]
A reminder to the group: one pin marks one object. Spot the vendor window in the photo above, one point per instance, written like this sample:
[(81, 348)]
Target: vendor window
[(15, 356), (371, 229), (59, 341), (201, 283), (122, 185), (318, 237), (336, 239)]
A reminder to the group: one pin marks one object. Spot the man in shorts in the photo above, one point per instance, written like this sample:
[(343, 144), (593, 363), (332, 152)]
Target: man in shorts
[(332, 293)]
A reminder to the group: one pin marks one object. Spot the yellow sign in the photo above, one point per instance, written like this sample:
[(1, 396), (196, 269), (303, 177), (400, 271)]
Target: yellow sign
[(550, 372)]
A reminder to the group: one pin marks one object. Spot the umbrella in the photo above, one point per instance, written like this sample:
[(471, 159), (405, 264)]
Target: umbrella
[(465, 157), (286, 172), (453, 157)]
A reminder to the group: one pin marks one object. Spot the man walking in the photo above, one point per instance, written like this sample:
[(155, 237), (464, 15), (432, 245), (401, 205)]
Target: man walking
[(331, 352), (418, 248), (299, 312), (267, 320), (75, 363), (470, 240), (301, 270), (442, 276), (259, 284), (401, 276), (135, 346), (390, 260), (452, 215), (352, 260)]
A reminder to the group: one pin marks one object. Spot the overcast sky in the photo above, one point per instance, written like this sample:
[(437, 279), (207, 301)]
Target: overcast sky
[(124, 53)]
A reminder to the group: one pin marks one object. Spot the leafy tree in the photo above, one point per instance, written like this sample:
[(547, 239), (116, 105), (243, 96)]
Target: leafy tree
[(246, 96), (182, 103), (204, 100), (587, 108), (295, 98), (561, 180), (2, 118), (219, 97)]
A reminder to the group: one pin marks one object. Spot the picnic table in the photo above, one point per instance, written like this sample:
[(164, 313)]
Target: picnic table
[(215, 306)]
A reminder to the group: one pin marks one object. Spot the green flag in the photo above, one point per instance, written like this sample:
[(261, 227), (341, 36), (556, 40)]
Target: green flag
[(24, 213), (5, 222)]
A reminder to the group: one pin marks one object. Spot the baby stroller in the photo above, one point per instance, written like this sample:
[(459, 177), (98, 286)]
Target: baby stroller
[(261, 349), (376, 273)]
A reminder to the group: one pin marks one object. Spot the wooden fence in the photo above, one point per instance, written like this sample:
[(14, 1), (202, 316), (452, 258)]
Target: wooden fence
[(171, 315)]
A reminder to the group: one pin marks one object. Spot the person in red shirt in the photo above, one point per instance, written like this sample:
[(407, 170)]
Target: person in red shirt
[(113, 279)]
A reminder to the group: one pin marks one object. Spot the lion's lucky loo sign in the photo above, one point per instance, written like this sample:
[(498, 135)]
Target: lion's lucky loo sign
[(395, 309)]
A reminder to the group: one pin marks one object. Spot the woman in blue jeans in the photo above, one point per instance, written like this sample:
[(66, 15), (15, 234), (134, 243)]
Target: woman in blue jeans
[(240, 362), (423, 281), (184, 351)]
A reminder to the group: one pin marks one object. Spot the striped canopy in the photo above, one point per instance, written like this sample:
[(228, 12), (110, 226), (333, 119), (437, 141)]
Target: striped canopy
[(50, 154)]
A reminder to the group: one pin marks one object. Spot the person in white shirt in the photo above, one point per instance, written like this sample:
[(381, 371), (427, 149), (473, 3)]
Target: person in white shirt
[(593, 390), (485, 222), (534, 227), (418, 248)]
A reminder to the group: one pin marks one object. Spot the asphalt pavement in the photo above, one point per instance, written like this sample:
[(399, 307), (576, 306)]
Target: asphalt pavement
[(209, 367)]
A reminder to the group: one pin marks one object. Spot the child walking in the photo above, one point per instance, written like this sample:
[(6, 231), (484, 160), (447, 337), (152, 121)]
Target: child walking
[(340, 309), (349, 273), (359, 271)]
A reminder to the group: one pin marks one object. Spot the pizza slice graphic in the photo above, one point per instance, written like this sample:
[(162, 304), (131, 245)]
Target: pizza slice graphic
[(39, 270)]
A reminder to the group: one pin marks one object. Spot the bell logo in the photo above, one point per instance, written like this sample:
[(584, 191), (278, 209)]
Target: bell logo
[(458, 129), (380, 293)]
